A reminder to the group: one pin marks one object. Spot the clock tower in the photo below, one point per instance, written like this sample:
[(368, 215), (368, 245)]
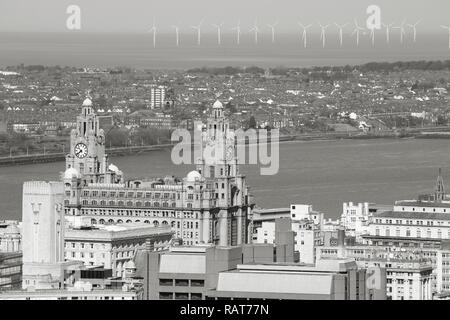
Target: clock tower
[(87, 146)]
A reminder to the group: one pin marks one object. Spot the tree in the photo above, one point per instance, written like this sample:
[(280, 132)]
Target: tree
[(252, 123)]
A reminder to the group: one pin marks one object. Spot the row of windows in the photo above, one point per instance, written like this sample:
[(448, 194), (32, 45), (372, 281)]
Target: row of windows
[(139, 213), (410, 222), (129, 194)]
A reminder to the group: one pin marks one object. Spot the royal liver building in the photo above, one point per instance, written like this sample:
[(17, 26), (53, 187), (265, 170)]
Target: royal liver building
[(210, 205)]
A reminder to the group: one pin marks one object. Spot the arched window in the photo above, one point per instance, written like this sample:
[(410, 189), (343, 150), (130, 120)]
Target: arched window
[(110, 221), (101, 221), (129, 221), (165, 223), (93, 221), (155, 223), (156, 205), (146, 221), (120, 221)]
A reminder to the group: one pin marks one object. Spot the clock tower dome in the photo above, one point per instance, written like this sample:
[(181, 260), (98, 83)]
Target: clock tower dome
[(87, 146)]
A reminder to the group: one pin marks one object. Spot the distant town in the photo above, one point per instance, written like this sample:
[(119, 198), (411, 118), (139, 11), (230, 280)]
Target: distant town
[(141, 107)]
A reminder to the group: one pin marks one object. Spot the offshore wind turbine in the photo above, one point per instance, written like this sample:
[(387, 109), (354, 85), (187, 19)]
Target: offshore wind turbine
[(356, 31), (218, 27), (387, 26), (153, 29), (372, 36), (238, 32), (322, 33), (255, 30), (177, 35), (199, 31), (304, 35), (413, 26), (340, 28), (272, 27), (448, 29), (401, 27)]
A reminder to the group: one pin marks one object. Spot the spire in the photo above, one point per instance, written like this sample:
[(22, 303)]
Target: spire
[(439, 189)]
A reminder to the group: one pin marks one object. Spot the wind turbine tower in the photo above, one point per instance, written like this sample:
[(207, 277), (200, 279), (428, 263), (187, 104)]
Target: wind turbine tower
[(304, 33), (177, 35), (255, 30), (322, 33), (357, 31), (272, 28), (414, 27), (218, 27), (199, 32), (448, 29), (340, 28), (153, 29), (238, 32)]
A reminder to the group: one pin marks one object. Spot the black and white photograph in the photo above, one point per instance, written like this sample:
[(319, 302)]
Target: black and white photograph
[(238, 153)]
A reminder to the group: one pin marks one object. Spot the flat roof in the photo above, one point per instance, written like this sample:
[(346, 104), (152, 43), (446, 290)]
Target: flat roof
[(116, 231), (413, 215)]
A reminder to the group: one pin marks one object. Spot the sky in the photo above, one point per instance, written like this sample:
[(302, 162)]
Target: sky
[(137, 15)]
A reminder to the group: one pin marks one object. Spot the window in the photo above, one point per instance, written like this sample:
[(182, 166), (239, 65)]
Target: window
[(197, 283), (181, 282), (165, 282)]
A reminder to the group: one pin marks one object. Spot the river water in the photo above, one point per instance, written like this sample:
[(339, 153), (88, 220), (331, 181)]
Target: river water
[(321, 173)]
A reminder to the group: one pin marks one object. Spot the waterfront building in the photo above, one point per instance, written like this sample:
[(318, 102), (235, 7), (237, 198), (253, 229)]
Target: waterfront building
[(212, 204), (43, 235), (408, 273), (112, 246), (10, 236)]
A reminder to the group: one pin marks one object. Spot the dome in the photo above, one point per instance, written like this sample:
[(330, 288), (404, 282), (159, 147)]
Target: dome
[(217, 105), (193, 176), (87, 102), (71, 173), (113, 168)]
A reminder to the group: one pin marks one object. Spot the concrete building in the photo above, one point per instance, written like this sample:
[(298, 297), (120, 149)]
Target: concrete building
[(10, 271), (111, 246), (305, 223), (77, 293), (327, 280), (43, 234), (157, 97)]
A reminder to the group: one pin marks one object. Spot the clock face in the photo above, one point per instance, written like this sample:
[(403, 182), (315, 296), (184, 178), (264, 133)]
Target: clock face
[(81, 150)]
